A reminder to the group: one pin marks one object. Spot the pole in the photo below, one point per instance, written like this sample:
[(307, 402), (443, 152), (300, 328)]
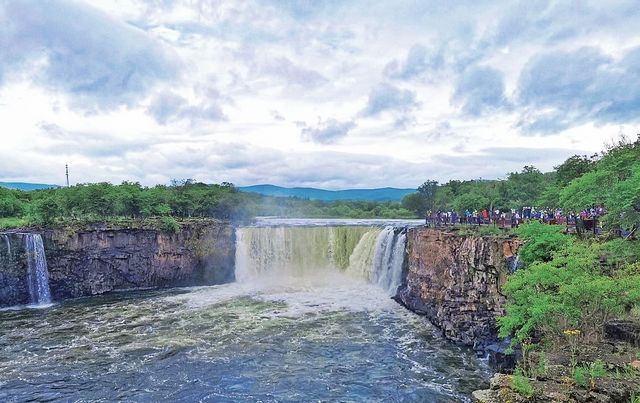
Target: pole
[(66, 169)]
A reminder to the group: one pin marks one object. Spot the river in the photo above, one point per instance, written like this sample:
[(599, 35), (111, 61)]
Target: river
[(305, 321)]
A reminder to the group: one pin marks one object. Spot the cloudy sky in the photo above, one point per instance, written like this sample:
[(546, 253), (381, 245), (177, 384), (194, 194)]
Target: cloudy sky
[(329, 94)]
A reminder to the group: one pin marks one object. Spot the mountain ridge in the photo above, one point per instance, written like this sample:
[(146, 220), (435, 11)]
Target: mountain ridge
[(372, 194)]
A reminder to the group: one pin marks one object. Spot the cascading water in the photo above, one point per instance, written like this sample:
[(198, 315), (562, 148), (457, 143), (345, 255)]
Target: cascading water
[(7, 242), (389, 259), (309, 311), (37, 274), (369, 253)]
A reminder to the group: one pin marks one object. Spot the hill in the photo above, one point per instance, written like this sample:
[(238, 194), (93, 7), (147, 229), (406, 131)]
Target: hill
[(26, 186), (380, 194)]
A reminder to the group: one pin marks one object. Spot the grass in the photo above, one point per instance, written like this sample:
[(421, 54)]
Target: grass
[(12, 222)]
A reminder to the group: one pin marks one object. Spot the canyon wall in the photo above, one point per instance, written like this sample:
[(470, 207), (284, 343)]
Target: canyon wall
[(96, 260), (455, 281)]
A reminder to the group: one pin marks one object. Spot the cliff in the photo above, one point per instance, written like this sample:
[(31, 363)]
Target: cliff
[(96, 260), (456, 280)]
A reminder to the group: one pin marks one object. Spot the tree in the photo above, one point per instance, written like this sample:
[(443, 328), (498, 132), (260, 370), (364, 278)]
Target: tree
[(470, 201), (525, 187), (428, 192), (415, 202), (574, 167)]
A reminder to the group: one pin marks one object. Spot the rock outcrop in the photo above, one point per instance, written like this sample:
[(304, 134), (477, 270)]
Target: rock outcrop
[(92, 261), (455, 281)]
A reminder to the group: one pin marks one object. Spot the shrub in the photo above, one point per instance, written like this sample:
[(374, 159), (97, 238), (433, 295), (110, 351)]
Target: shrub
[(521, 384), (570, 291), (541, 241), (580, 376), (169, 225)]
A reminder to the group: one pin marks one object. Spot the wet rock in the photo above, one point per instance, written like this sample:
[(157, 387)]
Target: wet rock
[(455, 281), (623, 330), (96, 260), (499, 357), (485, 396)]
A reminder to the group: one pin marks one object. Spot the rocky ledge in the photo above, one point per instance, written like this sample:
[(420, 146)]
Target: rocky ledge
[(98, 259), (455, 281)]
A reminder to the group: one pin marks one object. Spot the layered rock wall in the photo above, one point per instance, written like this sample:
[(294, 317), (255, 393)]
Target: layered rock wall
[(456, 280), (97, 260)]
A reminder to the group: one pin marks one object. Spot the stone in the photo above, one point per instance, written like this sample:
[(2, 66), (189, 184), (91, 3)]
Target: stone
[(485, 396), (623, 330), (455, 281), (97, 260)]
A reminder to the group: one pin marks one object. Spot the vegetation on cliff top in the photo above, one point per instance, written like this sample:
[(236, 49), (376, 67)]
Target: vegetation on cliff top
[(104, 202), (610, 179)]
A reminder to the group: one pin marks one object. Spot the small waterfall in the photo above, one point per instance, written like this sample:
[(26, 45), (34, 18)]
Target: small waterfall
[(37, 274), (8, 243), (389, 259), (370, 253)]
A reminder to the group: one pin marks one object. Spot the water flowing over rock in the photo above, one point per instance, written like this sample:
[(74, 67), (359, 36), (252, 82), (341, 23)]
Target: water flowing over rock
[(37, 272), (456, 280), (95, 260), (389, 259), (370, 253)]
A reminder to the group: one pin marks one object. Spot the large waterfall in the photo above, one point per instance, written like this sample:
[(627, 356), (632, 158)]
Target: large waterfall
[(272, 253), (37, 272)]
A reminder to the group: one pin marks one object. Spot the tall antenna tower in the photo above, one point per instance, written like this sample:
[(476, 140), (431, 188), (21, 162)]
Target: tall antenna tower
[(66, 169)]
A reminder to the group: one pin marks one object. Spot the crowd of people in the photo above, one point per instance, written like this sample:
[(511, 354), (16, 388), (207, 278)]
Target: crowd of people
[(589, 218)]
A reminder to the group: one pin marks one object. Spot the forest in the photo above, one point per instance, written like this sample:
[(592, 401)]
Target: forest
[(610, 179)]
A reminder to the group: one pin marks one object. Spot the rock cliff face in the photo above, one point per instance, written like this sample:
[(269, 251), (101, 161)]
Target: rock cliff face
[(97, 260), (456, 280)]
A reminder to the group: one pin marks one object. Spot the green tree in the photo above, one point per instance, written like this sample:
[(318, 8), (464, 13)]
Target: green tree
[(415, 202), (574, 167), (470, 201), (428, 192)]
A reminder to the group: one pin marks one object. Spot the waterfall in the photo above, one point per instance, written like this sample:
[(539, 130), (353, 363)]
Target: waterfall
[(8, 243), (370, 253), (389, 259), (37, 274)]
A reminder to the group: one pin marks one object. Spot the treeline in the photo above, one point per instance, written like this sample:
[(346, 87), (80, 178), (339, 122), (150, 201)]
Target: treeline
[(296, 207), (610, 179), (101, 201), (182, 199)]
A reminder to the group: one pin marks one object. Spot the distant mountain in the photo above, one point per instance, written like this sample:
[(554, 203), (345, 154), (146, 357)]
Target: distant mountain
[(26, 186), (381, 194)]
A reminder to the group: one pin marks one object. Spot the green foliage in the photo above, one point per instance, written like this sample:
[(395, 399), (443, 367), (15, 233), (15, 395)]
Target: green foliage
[(491, 230), (415, 202), (428, 192), (620, 252), (573, 168), (525, 186), (541, 241), (597, 370), (624, 202), (13, 222), (521, 384), (470, 201), (169, 225), (580, 376), (569, 291), (614, 182)]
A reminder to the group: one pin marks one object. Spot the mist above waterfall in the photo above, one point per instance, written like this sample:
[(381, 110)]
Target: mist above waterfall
[(317, 255)]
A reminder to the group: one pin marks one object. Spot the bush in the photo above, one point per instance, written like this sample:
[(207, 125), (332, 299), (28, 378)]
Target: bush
[(521, 384), (580, 376), (570, 291), (541, 241), (169, 225)]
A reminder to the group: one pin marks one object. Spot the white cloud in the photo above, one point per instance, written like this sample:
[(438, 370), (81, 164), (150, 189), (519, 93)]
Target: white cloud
[(386, 93)]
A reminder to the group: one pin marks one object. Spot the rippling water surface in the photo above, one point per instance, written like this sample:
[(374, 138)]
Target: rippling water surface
[(285, 342)]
